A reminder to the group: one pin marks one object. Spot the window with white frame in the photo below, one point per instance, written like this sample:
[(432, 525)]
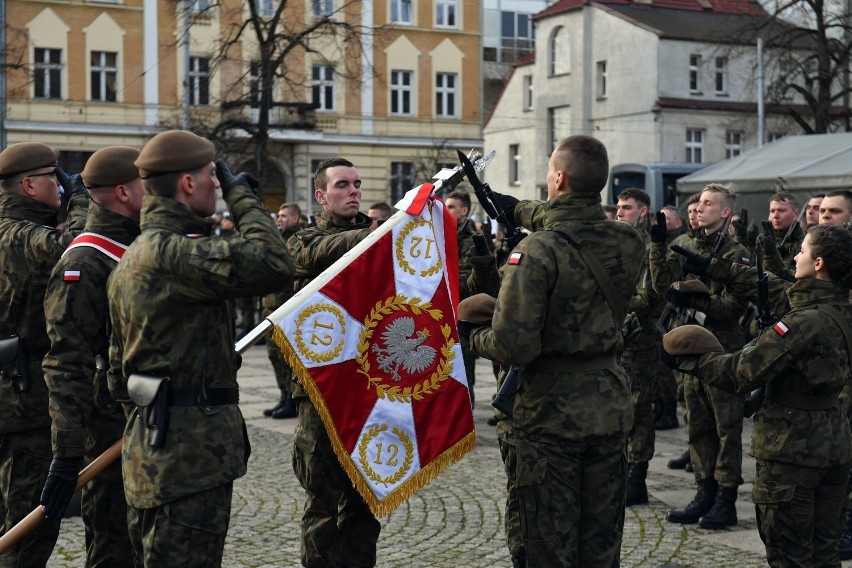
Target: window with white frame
[(265, 8), (516, 32), (402, 179), (694, 73), (733, 143), (199, 5), (695, 145), (446, 94), (47, 73), (601, 79), (401, 92), (322, 8), (446, 13), (322, 86), (514, 164), (401, 11), (559, 124), (527, 82), (104, 75), (721, 76), (199, 81), (560, 51)]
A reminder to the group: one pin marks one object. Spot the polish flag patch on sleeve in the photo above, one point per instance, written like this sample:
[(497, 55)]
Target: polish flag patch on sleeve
[(515, 258), (71, 276), (780, 328), (745, 260)]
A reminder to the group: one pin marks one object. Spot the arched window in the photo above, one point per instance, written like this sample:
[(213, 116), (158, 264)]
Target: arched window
[(560, 51)]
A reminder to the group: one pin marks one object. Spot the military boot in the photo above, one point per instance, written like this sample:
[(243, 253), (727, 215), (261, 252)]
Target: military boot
[(724, 512), (680, 463), (668, 417), (844, 543), (637, 491), (700, 504)]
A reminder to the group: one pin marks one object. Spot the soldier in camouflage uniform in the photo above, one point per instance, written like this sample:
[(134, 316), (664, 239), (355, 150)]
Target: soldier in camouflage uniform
[(778, 253), (715, 416), (573, 406), (29, 247), (458, 204), (801, 439), (288, 222), (86, 419), (170, 319), (640, 355), (338, 527), (836, 208)]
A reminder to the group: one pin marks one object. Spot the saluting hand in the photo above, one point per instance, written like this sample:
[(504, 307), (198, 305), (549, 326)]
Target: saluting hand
[(659, 232)]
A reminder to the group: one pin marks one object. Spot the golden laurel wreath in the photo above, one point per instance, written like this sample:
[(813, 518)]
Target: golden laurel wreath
[(300, 342), (365, 463), (425, 387), (399, 251)]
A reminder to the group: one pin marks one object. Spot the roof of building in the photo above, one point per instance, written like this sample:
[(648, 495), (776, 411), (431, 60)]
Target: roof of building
[(740, 7)]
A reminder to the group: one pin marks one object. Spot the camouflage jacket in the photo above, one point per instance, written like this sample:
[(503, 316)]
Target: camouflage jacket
[(29, 247), (780, 261), (77, 318), (273, 301), (553, 318), (464, 233), (316, 248), (724, 309), (806, 354), (647, 304), (168, 305)]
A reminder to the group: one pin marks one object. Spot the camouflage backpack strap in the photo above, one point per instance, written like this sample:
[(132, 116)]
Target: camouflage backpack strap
[(616, 303), (838, 318)]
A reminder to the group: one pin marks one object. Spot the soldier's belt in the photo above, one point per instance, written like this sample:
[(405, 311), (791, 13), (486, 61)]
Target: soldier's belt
[(801, 401), (571, 364), (211, 396)]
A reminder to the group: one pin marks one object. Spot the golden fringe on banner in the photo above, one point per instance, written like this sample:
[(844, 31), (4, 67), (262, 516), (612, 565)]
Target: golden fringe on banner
[(383, 507)]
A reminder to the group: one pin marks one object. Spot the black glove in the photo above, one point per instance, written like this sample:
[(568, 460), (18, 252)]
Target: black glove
[(768, 229), (741, 226), (59, 487), (504, 202), (667, 358), (695, 263), (683, 363), (77, 185), (466, 328), (659, 232), (688, 299), (229, 181), (65, 180)]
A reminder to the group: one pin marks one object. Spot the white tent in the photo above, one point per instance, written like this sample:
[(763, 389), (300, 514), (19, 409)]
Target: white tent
[(802, 165)]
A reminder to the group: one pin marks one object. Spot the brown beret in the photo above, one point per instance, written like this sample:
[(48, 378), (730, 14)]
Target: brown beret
[(691, 340), (478, 308), (174, 151), (25, 157), (691, 287), (111, 166)]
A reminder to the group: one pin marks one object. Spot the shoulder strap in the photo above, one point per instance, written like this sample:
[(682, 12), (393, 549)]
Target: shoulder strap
[(838, 318), (113, 249), (615, 302)]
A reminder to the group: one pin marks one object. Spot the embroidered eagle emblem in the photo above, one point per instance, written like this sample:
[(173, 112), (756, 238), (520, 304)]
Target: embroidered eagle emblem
[(404, 348)]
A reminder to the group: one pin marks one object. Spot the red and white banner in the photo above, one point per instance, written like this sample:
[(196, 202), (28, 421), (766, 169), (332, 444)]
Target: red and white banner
[(374, 342)]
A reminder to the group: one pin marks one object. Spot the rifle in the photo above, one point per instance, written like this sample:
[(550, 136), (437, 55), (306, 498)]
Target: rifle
[(485, 196), (765, 319), (792, 227)]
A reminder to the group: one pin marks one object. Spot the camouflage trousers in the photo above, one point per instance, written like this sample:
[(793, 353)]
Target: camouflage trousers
[(104, 506), (643, 367), (800, 512), (283, 373), (512, 518), (571, 500), (24, 461), (188, 532), (337, 525), (715, 432), (667, 385)]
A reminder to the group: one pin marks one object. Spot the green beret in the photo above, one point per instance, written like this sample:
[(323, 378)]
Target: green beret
[(111, 166), (174, 151), (478, 308), (25, 157), (691, 340), (691, 287)]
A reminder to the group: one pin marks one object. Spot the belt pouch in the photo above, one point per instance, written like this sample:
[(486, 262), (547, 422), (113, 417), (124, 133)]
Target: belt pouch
[(14, 363), (149, 393)]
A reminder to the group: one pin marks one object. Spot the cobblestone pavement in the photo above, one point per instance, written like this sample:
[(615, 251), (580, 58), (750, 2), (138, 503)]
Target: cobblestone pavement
[(456, 521)]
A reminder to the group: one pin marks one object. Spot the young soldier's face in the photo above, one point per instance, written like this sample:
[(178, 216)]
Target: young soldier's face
[(692, 214), (630, 211), (342, 193), (203, 198), (286, 219), (711, 211), (457, 208), (812, 213), (782, 215), (834, 211), (805, 263)]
